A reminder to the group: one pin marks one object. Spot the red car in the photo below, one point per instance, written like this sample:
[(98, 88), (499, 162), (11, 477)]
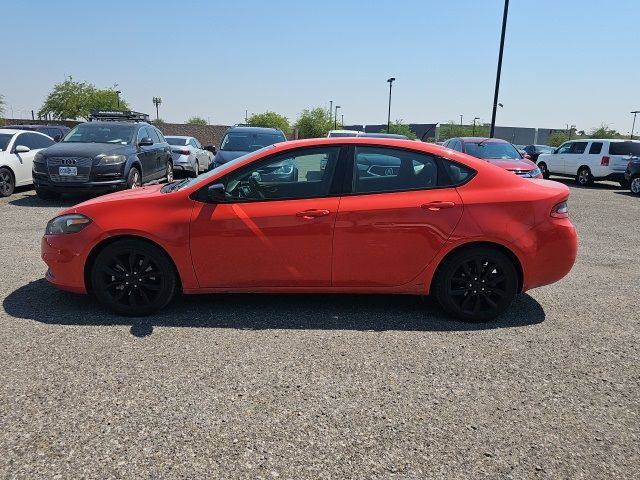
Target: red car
[(496, 151), (363, 215)]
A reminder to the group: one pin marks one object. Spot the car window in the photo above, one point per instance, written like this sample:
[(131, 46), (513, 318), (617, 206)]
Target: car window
[(565, 148), (596, 147), (193, 143), (379, 169), (154, 135), (5, 139), (624, 148), (458, 173), (304, 173), (491, 150), (176, 141), (33, 141), (249, 141), (142, 133), (160, 136), (578, 147)]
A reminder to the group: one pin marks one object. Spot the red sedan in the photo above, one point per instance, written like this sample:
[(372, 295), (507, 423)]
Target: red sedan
[(360, 215)]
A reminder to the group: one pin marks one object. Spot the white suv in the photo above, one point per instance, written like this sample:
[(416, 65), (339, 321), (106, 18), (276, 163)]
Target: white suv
[(590, 159)]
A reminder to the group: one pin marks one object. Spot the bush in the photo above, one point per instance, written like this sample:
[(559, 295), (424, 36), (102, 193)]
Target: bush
[(270, 120), (314, 123)]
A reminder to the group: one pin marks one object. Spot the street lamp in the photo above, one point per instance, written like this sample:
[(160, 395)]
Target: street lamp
[(390, 80), (157, 101), (460, 120), (474, 125), (330, 109), (118, 92), (335, 118), (495, 95), (635, 112)]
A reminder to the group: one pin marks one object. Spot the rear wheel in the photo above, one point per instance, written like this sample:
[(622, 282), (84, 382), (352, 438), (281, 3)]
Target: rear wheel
[(133, 278), (543, 169), (169, 172), (134, 180), (197, 170), (634, 185), (584, 177), (46, 194), (476, 284), (7, 183)]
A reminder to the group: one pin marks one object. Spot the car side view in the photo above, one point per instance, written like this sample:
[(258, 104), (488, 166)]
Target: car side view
[(17, 151), (431, 221)]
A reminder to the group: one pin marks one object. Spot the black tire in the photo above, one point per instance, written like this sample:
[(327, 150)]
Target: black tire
[(7, 182), (169, 172), (134, 179), (133, 278), (634, 185), (197, 171), (544, 170), (44, 194), (584, 177), (476, 284)]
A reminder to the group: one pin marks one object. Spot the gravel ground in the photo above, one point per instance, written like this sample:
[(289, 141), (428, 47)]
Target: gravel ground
[(278, 386)]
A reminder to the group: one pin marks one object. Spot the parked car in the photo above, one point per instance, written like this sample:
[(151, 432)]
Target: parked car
[(444, 223), (383, 135), (343, 133), (632, 176), (188, 155), (17, 149), (496, 151), (115, 150), (588, 160), (57, 132), (240, 140), (535, 150)]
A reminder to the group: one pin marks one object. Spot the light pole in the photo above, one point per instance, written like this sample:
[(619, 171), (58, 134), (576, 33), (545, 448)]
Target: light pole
[(460, 120), (330, 109), (390, 80), (635, 112), (495, 95), (342, 121), (335, 118), (157, 101), (474, 125), (118, 92)]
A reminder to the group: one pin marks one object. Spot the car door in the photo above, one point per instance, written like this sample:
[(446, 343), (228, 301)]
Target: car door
[(575, 158), (160, 160), (146, 156), (393, 223), (555, 161), (273, 228), (24, 160)]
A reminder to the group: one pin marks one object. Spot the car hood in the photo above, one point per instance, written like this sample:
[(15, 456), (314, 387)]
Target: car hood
[(70, 149), (224, 156), (512, 163), (134, 193)]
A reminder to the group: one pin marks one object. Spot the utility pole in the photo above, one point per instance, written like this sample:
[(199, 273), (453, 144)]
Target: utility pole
[(495, 95), (460, 120), (633, 126), (390, 80), (118, 92), (157, 101), (330, 109), (335, 118)]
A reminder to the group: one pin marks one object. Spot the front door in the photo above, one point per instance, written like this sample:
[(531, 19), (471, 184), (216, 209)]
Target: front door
[(574, 158), (274, 227), (146, 156), (396, 220), (555, 162)]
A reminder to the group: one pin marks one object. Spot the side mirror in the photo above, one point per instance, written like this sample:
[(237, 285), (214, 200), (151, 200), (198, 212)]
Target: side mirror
[(145, 142), (210, 148), (57, 138), (22, 149), (215, 192)]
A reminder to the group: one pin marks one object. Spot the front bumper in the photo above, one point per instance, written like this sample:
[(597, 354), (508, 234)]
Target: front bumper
[(43, 182)]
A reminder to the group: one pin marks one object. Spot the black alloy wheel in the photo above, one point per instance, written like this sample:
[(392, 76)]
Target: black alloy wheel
[(634, 185), (476, 284), (584, 177), (133, 278), (544, 170), (134, 180), (7, 184)]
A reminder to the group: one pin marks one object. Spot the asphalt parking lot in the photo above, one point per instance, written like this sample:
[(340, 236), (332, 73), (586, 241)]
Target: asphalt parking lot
[(304, 386)]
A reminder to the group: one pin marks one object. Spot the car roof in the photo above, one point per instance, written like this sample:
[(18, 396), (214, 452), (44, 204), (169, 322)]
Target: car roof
[(183, 137), (602, 140), (482, 139), (13, 131), (254, 129), (108, 122), (34, 125)]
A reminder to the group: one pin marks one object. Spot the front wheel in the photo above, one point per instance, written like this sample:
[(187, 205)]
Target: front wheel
[(7, 184), (134, 180), (197, 170), (133, 278), (584, 177), (169, 172), (476, 284), (544, 170), (634, 185)]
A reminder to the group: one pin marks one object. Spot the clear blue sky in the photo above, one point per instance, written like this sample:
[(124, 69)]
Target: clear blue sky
[(566, 61)]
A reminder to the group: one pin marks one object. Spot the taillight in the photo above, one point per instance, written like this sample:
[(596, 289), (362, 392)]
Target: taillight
[(605, 161), (561, 210), (183, 152)]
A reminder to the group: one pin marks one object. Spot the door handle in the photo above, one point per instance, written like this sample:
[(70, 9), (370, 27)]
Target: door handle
[(312, 213), (437, 205)]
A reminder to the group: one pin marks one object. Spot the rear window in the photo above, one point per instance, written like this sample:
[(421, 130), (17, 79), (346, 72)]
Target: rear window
[(249, 141), (176, 141), (491, 150), (625, 148)]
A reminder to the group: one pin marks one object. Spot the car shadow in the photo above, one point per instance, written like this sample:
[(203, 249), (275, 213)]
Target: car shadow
[(627, 194), (41, 302), (32, 200), (569, 182)]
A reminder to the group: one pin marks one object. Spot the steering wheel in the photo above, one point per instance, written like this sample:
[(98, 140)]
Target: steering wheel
[(255, 185)]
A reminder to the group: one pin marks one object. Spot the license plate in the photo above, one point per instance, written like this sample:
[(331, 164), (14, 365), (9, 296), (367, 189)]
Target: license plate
[(68, 171)]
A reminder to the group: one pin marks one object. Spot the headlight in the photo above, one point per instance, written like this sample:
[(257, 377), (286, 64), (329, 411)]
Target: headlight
[(39, 157), (111, 159), (535, 173), (67, 224)]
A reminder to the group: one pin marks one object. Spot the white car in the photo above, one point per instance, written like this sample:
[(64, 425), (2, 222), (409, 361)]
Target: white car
[(588, 160), (17, 149), (343, 133), (188, 155)]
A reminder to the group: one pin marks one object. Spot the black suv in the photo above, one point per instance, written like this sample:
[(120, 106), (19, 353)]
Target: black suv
[(113, 151), (57, 132), (241, 139)]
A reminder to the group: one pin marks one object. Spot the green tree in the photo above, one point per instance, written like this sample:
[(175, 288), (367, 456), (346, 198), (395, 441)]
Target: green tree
[(557, 138), (158, 121), (603, 131), (400, 128), (452, 129), (196, 121), (73, 100), (270, 120), (314, 123), (2, 104)]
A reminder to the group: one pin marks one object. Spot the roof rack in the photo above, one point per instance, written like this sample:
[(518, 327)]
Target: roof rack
[(118, 115)]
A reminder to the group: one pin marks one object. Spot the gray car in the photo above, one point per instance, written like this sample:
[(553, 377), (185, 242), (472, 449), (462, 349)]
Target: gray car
[(188, 155)]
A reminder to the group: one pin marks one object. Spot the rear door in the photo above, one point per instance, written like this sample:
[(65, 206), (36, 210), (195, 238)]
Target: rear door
[(395, 220)]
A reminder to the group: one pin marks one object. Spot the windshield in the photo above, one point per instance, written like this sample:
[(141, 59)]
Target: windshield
[(249, 141), (544, 149), (100, 133), (176, 141), (491, 150), (187, 182), (5, 138), (625, 148)]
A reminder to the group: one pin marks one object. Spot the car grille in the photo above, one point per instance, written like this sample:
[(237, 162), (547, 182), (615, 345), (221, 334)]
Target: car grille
[(83, 164)]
